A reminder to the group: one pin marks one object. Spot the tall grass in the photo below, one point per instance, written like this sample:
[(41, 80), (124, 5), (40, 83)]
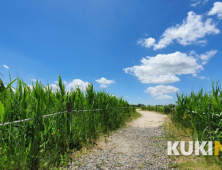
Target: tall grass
[(44, 142), (202, 113)]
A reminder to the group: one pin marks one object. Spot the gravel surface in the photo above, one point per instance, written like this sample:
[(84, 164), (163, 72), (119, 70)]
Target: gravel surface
[(140, 145)]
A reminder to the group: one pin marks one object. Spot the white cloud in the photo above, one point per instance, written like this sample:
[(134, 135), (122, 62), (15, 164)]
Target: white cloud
[(165, 68), (32, 79), (201, 43), (216, 10), (162, 97), (161, 90), (195, 4), (104, 82), (205, 57), (75, 83), (64, 82), (191, 31), (53, 87), (6, 67), (194, 75), (202, 78), (205, 1), (149, 42), (30, 86)]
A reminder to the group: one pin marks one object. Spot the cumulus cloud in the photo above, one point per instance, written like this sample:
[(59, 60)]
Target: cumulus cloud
[(104, 82), (165, 68), (216, 10), (149, 42), (161, 90), (191, 31), (6, 67), (33, 80), (53, 87), (77, 83), (72, 85), (162, 97)]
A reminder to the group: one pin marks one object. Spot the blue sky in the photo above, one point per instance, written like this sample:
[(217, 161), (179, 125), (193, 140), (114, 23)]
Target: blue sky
[(144, 51)]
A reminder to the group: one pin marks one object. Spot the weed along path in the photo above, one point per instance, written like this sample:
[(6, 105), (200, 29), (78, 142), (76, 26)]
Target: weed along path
[(139, 145)]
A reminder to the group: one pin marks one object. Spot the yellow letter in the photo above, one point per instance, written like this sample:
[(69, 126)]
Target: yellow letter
[(217, 147)]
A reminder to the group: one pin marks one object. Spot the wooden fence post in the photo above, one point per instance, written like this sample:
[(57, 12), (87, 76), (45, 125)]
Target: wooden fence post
[(128, 108), (164, 110), (149, 107), (133, 108), (156, 108)]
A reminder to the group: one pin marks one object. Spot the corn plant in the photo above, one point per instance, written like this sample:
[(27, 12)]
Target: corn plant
[(43, 141), (202, 112)]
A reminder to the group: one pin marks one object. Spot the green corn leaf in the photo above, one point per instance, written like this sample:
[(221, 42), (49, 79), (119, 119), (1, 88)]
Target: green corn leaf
[(2, 111), (5, 90)]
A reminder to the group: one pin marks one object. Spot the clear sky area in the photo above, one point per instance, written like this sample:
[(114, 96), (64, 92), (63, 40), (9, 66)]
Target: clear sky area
[(144, 51)]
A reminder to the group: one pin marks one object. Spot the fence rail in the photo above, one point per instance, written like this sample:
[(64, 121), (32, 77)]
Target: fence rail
[(53, 114)]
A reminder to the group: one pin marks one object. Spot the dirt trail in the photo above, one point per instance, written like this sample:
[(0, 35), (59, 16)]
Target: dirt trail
[(148, 119), (139, 145)]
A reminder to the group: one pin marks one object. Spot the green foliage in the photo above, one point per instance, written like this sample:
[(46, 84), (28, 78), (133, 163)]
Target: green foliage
[(160, 108), (2, 86), (140, 105), (202, 112), (44, 142)]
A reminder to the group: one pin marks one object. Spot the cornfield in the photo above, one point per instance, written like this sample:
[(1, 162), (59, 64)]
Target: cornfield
[(202, 112), (42, 141), (158, 108)]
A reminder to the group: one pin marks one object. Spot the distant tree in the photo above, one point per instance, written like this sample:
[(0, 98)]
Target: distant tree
[(140, 105)]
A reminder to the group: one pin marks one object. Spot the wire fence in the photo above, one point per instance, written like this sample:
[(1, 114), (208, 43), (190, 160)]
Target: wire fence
[(53, 114)]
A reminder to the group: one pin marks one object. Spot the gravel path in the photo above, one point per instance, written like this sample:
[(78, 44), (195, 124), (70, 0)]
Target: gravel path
[(137, 146)]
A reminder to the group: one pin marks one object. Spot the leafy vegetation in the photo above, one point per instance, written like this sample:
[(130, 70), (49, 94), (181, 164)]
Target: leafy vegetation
[(45, 141), (159, 108), (201, 112)]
